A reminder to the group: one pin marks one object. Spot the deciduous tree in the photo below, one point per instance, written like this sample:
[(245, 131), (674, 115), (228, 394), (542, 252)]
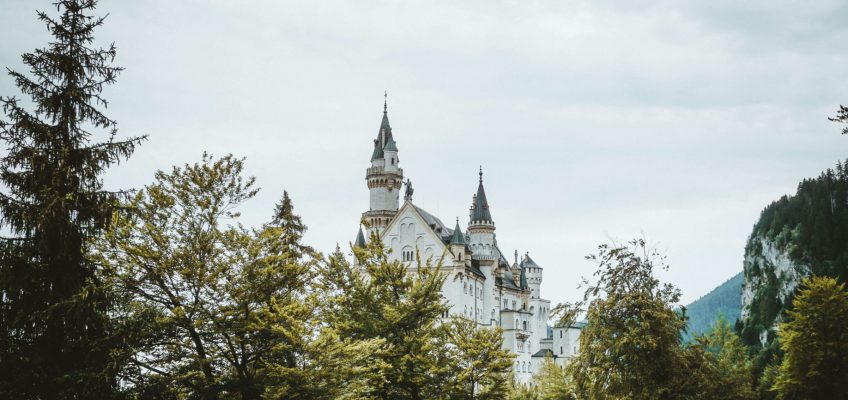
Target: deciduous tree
[(815, 342)]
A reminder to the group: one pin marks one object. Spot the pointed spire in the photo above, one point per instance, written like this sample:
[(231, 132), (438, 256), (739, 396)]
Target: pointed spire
[(360, 239), (458, 237), (384, 135), (481, 206)]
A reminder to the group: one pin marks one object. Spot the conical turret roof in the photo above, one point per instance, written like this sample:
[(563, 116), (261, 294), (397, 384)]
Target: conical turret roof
[(384, 136), (390, 145), (481, 206), (360, 239), (458, 237)]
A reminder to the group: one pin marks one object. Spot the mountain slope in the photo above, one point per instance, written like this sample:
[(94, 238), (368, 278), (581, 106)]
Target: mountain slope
[(726, 299), (798, 235)]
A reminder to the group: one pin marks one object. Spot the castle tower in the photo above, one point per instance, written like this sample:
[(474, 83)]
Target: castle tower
[(384, 177), (481, 227), (457, 242), (534, 276)]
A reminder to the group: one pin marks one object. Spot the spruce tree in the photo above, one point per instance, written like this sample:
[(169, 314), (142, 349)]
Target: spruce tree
[(54, 329)]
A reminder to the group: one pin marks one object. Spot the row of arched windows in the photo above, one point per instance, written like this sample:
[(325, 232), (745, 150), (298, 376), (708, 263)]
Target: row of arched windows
[(523, 366)]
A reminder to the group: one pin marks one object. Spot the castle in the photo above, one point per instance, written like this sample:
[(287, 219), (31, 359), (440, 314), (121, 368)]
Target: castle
[(481, 284)]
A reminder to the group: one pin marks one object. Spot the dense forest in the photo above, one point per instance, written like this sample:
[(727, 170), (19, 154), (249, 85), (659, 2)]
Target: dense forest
[(160, 293), (812, 225)]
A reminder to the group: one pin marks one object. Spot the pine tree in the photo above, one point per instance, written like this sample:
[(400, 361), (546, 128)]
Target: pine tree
[(815, 342), (55, 337)]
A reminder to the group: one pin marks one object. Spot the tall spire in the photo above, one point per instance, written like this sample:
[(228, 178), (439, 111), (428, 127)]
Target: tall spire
[(384, 135), (481, 206)]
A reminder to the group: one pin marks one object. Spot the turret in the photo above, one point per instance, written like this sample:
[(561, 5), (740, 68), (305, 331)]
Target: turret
[(481, 227), (384, 177), (534, 276), (457, 242)]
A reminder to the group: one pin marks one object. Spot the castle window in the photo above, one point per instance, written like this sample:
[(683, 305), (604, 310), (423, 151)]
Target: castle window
[(560, 349), (560, 334), (525, 325)]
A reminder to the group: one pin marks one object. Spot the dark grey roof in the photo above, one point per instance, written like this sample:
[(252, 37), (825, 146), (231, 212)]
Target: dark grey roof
[(435, 224), (390, 145), (508, 282), (378, 151), (543, 353), (384, 136), (458, 237), (360, 239), (481, 206), (529, 262)]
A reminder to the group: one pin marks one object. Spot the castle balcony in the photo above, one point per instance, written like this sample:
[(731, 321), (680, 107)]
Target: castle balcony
[(380, 171)]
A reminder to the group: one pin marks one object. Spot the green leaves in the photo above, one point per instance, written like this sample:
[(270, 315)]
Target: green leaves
[(815, 342)]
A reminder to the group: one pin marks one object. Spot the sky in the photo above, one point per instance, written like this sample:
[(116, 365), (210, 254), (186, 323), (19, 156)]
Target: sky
[(594, 121)]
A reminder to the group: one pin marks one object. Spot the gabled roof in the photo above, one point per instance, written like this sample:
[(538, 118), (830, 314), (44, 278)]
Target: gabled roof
[(436, 226)]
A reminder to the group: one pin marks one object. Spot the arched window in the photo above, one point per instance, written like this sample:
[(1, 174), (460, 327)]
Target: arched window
[(560, 334), (560, 349), (516, 323), (525, 325)]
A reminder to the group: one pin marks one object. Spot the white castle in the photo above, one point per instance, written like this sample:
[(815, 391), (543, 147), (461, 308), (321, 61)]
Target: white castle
[(481, 284)]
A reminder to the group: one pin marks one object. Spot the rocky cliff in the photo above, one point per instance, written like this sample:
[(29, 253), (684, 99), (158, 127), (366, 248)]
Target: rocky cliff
[(798, 235)]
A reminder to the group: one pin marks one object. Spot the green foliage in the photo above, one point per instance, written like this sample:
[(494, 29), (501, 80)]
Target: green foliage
[(56, 340), (479, 368), (723, 301), (553, 382), (221, 310), (630, 347), (378, 299), (815, 342), (812, 225), (719, 363), (841, 116)]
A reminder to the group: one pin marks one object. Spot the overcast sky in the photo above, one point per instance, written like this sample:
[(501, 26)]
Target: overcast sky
[(593, 120)]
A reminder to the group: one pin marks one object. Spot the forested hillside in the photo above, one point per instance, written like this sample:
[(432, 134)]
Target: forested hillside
[(724, 300), (797, 235)]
